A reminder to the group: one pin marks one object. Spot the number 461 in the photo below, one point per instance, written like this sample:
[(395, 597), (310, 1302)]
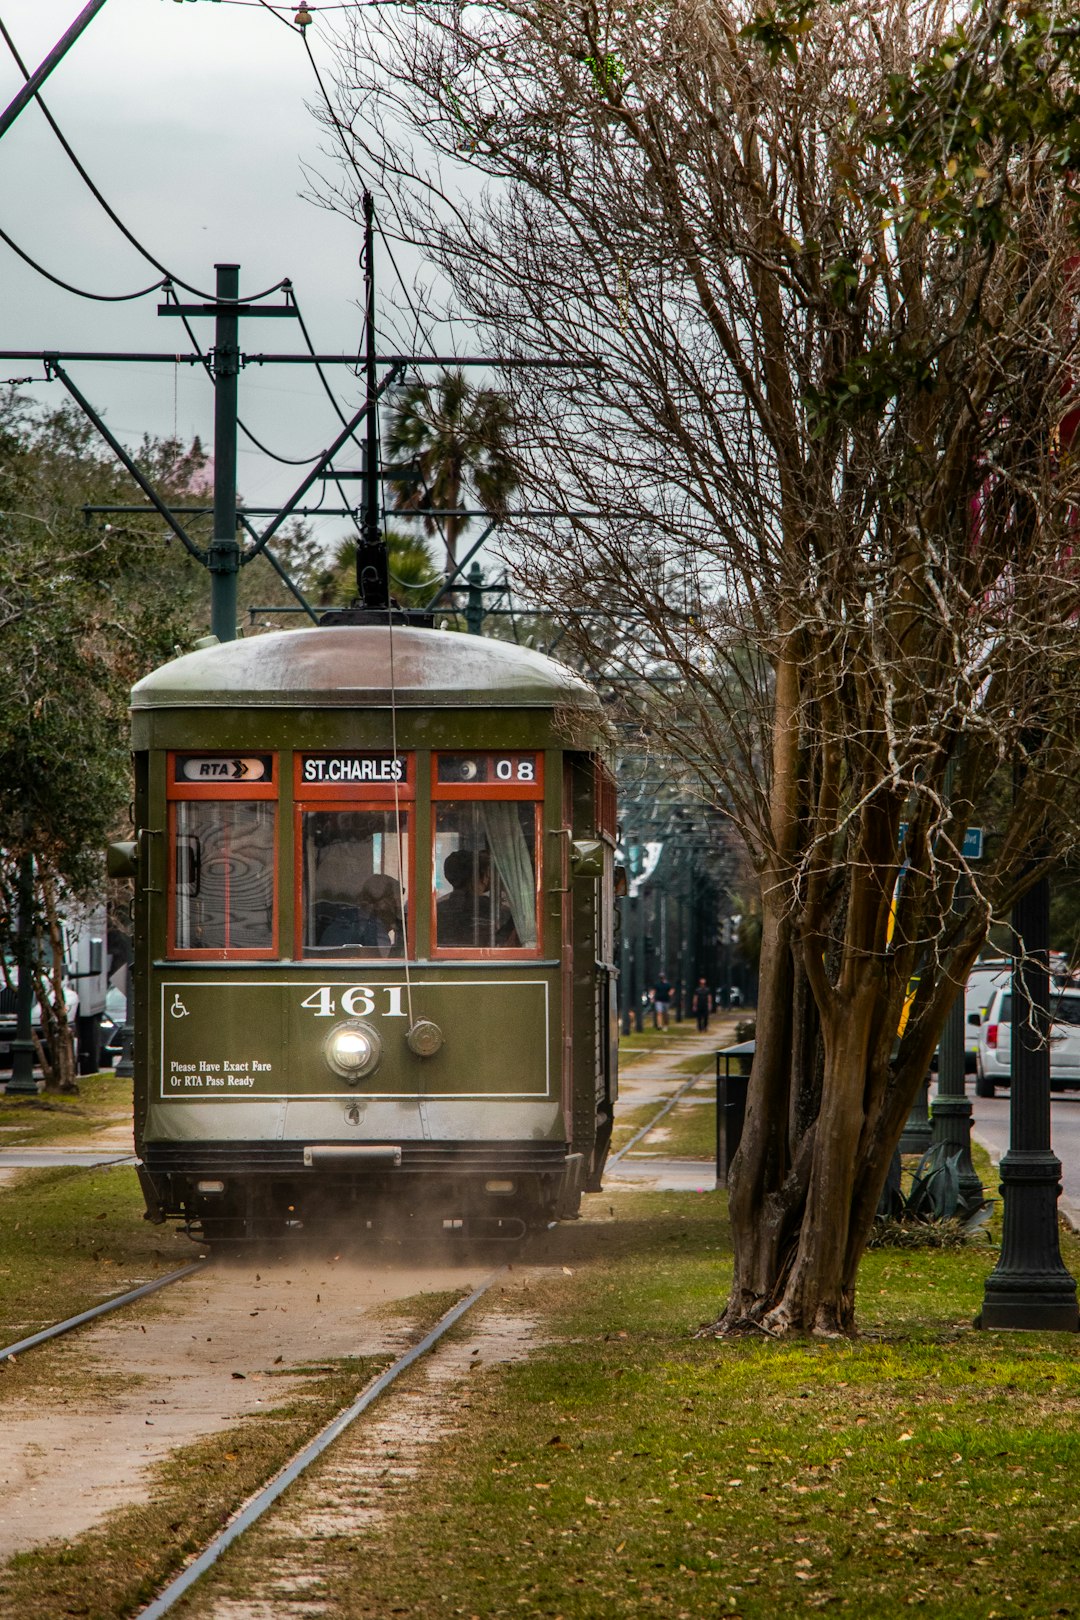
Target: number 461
[(358, 1001)]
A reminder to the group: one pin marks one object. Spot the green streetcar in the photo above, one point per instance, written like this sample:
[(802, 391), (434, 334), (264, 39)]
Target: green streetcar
[(373, 976)]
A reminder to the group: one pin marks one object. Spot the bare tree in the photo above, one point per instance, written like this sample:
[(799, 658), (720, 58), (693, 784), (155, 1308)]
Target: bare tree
[(817, 267)]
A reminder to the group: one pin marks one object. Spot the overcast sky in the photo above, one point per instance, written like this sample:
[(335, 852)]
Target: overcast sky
[(191, 117)]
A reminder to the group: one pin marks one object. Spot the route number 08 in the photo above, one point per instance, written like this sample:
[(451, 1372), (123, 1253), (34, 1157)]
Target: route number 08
[(358, 1001), (521, 770)]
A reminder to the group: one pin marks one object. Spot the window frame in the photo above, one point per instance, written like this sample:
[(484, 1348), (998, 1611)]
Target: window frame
[(348, 797), (177, 792), (488, 790), (470, 792)]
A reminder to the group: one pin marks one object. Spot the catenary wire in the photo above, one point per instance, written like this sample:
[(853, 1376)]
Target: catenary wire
[(113, 215), (80, 292), (287, 461)]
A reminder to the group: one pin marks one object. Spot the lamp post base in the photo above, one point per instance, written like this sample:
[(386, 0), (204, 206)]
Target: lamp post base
[(1030, 1288), (22, 1082), (951, 1128), (916, 1137)]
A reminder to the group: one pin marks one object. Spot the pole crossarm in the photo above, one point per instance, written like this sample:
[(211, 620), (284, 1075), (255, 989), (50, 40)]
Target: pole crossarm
[(399, 361), (231, 306), (160, 506)]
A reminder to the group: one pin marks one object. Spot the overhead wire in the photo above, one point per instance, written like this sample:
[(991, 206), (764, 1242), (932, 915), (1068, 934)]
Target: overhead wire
[(80, 292), (287, 461), (113, 215)]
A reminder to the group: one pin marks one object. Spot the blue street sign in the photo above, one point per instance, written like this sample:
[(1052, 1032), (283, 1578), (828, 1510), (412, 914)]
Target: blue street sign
[(971, 849)]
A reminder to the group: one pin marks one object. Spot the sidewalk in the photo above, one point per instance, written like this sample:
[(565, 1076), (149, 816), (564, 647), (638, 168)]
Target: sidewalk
[(649, 1079)]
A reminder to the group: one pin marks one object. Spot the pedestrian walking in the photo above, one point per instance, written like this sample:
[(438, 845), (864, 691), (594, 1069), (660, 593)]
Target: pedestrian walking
[(661, 1003), (702, 1004)]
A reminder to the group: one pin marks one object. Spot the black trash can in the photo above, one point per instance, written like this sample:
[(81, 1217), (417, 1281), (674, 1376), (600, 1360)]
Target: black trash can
[(733, 1065)]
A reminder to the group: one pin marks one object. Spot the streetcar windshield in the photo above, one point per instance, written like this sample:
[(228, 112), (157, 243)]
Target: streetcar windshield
[(355, 884), (224, 875), (485, 875)]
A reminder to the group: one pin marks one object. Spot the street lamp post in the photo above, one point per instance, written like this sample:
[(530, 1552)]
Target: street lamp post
[(1030, 1287), (951, 1119)]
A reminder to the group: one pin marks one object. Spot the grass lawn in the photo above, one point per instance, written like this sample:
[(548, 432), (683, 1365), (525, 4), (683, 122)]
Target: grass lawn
[(626, 1467), (687, 1131), (629, 1468), (103, 1100), (69, 1239)]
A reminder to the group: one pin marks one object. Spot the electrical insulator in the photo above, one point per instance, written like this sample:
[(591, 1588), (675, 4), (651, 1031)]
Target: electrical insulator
[(302, 18)]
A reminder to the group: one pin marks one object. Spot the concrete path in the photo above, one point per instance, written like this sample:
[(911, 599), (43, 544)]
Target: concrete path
[(651, 1078)]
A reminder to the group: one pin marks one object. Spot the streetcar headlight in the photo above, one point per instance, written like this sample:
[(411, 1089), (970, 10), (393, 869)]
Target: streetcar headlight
[(353, 1050)]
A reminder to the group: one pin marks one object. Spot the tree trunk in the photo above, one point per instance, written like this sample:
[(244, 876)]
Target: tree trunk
[(60, 1071)]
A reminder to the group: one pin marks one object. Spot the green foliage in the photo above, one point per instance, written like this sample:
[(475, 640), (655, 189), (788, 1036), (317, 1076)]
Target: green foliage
[(84, 612), (778, 28), (86, 609), (413, 577), (607, 71), (455, 438), (1006, 81)]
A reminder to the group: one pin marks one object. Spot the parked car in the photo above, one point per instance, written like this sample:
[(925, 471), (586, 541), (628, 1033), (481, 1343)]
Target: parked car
[(8, 1020), (995, 1042), (985, 977)]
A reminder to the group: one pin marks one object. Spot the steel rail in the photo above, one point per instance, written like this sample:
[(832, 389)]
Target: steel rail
[(654, 1122), (257, 1505), (103, 1309)]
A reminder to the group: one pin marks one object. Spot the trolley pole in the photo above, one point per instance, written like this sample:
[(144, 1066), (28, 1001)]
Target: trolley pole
[(223, 557), (372, 568)]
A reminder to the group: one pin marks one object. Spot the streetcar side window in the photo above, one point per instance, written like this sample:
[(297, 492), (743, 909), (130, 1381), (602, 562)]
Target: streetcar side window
[(485, 875), (486, 852), (354, 893), (223, 876)]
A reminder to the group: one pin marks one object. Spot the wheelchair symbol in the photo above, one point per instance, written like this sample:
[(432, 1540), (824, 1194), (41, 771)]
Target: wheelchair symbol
[(178, 1010)]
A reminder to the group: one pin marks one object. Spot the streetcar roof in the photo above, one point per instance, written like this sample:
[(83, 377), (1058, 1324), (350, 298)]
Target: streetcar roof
[(349, 666)]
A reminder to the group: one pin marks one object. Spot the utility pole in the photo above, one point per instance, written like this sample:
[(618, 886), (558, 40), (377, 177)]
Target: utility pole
[(223, 558), (223, 554)]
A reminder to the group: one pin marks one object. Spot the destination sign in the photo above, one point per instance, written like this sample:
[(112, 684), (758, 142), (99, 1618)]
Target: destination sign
[(353, 768), (224, 767)]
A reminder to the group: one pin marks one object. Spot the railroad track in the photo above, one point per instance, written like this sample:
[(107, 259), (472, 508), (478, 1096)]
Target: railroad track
[(252, 1510), (677, 1096), (115, 1304)]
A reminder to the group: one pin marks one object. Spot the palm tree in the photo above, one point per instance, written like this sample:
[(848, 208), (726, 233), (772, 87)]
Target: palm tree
[(457, 438)]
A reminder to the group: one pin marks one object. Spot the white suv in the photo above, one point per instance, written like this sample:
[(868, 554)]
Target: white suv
[(992, 973), (995, 1042)]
